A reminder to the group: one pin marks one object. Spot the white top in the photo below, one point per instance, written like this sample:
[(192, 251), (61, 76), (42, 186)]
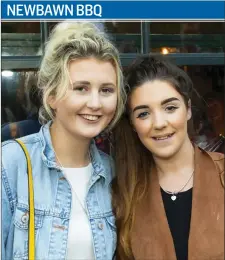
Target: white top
[(80, 242)]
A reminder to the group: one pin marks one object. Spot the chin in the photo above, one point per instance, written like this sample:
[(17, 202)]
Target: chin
[(90, 135), (165, 154)]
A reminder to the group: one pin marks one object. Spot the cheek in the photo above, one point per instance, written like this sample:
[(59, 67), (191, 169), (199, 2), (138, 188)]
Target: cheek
[(142, 127), (69, 104), (179, 121), (109, 105)]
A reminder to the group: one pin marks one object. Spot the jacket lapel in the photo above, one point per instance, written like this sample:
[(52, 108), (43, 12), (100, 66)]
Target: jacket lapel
[(151, 226), (206, 239)]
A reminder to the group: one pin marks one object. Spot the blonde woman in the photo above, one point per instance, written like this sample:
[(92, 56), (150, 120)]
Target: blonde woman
[(81, 83)]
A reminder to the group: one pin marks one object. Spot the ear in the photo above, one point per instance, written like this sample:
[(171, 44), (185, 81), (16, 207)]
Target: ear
[(52, 102), (189, 113)]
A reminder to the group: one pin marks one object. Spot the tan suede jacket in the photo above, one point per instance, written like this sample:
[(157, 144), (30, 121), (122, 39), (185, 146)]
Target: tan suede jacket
[(151, 238)]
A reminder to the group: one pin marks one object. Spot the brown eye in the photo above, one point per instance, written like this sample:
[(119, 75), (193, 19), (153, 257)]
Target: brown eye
[(81, 88), (107, 90), (171, 108)]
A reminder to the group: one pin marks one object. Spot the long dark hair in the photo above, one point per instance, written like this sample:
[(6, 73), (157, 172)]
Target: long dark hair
[(133, 161)]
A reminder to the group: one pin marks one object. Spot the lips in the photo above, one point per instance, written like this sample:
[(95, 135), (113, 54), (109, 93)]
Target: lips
[(90, 117), (163, 137)]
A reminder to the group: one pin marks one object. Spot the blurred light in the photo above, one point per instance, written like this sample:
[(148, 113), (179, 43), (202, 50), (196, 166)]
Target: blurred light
[(7, 73), (165, 51)]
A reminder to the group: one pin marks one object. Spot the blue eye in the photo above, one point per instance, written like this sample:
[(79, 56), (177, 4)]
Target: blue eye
[(143, 115)]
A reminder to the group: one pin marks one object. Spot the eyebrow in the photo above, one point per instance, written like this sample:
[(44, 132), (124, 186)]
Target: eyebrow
[(169, 100), (108, 84), (88, 83), (81, 82), (140, 107), (162, 103)]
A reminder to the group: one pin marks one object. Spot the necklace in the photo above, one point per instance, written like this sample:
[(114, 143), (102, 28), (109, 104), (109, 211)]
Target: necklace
[(175, 193), (78, 199)]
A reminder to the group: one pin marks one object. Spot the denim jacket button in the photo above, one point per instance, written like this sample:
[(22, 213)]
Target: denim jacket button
[(100, 226), (25, 218)]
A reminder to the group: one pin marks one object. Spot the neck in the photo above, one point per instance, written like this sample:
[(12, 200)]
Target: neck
[(181, 163), (71, 151)]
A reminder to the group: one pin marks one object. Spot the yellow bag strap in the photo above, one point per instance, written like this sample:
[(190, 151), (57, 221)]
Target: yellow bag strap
[(31, 235)]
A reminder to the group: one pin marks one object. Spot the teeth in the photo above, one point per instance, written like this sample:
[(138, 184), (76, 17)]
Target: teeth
[(163, 137), (90, 117)]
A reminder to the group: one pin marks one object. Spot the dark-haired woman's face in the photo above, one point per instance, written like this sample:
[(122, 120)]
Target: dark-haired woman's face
[(159, 116)]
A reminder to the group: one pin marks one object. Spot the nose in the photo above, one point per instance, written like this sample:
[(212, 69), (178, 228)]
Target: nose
[(159, 121), (94, 101)]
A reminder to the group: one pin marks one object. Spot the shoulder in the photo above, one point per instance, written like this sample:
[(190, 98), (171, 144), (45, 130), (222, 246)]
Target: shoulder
[(216, 156), (219, 160), (14, 165), (11, 147), (13, 155)]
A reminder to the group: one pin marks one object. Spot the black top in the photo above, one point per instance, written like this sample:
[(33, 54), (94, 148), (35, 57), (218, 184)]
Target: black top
[(178, 214)]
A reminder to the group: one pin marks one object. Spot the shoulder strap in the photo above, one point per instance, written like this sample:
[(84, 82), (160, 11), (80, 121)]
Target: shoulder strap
[(31, 236)]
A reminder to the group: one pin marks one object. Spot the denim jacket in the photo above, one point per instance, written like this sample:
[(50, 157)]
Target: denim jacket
[(53, 200)]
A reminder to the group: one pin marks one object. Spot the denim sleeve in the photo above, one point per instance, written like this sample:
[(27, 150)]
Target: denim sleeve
[(6, 213)]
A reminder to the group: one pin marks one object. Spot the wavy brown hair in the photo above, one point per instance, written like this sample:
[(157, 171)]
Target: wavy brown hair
[(132, 160)]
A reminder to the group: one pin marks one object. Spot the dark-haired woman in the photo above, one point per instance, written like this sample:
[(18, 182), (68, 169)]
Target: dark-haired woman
[(168, 195)]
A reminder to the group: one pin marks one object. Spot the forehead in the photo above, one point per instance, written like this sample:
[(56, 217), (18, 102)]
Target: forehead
[(92, 69), (153, 93)]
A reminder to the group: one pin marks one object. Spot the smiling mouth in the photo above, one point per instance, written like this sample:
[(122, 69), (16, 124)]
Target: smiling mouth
[(91, 117), (164, 137)]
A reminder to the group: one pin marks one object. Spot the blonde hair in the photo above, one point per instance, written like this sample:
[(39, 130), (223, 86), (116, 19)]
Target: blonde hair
[(70, 41)]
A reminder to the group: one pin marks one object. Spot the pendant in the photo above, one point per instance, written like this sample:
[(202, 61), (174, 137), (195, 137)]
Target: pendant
[(173, 197)]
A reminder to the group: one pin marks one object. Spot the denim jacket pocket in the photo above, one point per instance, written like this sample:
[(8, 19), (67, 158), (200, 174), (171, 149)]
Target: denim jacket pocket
[(110, 222), (21, 223)]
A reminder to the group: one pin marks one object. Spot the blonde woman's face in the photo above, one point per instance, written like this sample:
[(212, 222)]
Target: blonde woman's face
[(91, 101)]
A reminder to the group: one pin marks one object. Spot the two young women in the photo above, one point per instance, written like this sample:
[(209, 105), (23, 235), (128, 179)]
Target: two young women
[(167, 194)]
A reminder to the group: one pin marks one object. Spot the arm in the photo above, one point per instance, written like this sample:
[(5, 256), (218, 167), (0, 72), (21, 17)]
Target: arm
[(6, 212)]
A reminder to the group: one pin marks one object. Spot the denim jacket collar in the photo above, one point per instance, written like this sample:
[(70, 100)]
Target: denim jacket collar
[(48, 154)]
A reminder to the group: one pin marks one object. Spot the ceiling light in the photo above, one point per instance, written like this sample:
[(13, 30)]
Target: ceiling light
[(7, 73), (165, 51)]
